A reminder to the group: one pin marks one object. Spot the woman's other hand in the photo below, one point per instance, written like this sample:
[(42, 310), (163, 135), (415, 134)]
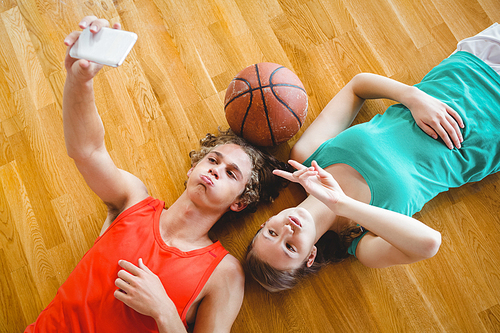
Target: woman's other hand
[(436, 118)]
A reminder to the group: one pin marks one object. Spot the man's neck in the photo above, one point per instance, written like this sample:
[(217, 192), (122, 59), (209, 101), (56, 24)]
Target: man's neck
[(186, 226)]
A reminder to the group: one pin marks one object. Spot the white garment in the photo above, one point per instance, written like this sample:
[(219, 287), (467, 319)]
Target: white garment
[(485, 45)]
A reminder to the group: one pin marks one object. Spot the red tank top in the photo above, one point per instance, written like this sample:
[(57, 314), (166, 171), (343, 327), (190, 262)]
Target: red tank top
[(85, 302)]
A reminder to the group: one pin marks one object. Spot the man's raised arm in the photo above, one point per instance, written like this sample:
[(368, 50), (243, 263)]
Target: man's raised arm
[(84, 131)]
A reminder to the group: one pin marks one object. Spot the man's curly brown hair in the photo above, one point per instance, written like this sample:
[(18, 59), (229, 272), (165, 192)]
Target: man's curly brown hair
[(262, 185)]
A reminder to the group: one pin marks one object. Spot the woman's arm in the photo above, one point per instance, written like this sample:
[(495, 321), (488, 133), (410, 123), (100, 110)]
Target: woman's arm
[(434, 117), (393, 239), (337, 115)]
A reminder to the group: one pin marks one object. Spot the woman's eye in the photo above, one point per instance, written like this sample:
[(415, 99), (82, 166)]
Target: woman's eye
[(272, 233), (231, 174), (290, 248), (211, 159)]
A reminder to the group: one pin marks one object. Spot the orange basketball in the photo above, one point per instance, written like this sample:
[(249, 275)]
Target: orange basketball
[(266, 104)]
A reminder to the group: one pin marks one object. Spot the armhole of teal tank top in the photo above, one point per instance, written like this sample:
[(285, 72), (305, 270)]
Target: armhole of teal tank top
[(352, 248)]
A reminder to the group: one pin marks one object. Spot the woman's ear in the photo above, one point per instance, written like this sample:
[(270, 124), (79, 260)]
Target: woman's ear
[(190, 171), (312, 256), (263, 224)]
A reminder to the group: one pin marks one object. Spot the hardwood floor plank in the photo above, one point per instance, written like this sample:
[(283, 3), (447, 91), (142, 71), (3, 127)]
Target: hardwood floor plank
[(25, 52), (11, 67), (11, 312), (10, 241), (491, 318), (30, 233), (462, 16)]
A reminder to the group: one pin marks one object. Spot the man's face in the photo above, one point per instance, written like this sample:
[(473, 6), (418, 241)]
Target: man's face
[(218, 180)]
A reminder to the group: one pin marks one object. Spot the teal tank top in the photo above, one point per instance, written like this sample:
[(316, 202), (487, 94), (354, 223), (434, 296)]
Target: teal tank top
[(403, 166)]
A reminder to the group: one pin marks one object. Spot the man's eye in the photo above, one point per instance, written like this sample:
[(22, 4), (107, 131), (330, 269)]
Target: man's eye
[(290, 248)]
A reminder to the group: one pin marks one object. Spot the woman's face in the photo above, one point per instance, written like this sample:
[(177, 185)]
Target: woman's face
[(287, 239)]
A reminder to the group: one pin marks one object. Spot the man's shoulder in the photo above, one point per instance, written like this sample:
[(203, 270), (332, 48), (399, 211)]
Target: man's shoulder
[(229, 272), (230, 265)]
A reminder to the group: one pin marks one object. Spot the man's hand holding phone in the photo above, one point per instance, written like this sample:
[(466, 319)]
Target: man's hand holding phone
[(96, 46)]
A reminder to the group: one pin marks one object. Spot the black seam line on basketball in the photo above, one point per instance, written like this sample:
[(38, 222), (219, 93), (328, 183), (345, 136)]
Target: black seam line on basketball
[(279, 99), (259, 88), (238, 96), (248, 107), (264, 104)]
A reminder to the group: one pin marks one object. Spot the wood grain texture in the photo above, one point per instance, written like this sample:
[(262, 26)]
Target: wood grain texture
[(170, 92)]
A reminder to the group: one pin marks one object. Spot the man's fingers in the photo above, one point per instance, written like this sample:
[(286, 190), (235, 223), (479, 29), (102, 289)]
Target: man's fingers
[(131, 268), (125, 276), (72, 38), (123, 285), (84, 64), (93, 23), (143, 266), (86, 21), (121, 296)]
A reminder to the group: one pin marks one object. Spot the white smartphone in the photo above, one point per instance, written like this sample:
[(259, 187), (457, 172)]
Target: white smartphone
[(108, 47)]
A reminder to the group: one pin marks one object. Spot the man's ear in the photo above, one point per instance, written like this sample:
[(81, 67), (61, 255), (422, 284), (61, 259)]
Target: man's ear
[(238, 206), (312, 256)]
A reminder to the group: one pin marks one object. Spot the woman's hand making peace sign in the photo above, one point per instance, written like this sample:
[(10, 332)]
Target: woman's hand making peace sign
[(315, 181)]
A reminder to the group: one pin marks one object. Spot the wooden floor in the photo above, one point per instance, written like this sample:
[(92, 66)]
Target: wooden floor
[(170, 92)]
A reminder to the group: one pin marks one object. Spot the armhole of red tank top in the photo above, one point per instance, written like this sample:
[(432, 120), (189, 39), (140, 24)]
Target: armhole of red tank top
[(127, 212), (202, 283)]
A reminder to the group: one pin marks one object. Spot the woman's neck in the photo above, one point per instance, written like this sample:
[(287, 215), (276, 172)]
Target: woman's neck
[(324, 218), (353, 184)]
